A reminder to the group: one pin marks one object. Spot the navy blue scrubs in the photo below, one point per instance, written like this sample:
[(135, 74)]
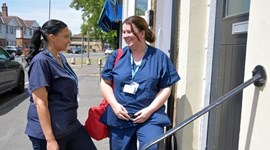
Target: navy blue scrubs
[(61, 83), (156, 72)]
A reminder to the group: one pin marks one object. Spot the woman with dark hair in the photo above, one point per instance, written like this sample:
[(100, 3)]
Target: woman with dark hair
[(53, 87), (142, 81)]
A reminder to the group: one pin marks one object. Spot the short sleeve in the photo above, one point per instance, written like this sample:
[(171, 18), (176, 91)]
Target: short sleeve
[(108, 67), (169, 74), (39, 74)]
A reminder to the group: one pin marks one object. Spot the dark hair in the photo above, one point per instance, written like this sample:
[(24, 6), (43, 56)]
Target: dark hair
[(142, 25), (50, 27)]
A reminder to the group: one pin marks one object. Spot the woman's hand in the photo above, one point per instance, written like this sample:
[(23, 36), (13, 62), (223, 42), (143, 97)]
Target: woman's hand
[(120, 111), (142, 115), (52, 145), (40, 97)]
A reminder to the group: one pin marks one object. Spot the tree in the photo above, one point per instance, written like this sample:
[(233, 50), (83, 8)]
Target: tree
[(91, 11)]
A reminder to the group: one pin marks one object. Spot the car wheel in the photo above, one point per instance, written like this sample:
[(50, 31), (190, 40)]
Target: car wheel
[(20, 86)]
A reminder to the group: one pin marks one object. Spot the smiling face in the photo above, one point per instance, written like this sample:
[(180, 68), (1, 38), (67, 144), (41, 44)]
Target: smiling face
[(132, 36)]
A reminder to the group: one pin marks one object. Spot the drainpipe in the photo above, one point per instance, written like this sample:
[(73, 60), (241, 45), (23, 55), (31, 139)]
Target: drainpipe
[(173, 56)]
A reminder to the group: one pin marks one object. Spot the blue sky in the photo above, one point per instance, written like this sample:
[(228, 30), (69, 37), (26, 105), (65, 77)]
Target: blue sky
[(39, 10)]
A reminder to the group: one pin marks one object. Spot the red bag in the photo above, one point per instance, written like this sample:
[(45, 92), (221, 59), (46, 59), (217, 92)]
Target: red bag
[(96, 129)]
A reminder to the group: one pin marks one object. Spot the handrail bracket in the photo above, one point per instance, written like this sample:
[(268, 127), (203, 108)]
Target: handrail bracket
[(259, 70)]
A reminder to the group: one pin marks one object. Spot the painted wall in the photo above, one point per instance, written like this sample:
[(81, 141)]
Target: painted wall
[(2, 33), (11, 38), (255, 122), (192, 49)]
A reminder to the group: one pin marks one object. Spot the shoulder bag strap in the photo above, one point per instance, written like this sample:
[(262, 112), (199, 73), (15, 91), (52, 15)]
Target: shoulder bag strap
[(119, 54)]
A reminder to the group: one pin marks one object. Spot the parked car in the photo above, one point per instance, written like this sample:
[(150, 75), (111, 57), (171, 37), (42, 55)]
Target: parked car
[(11, 73), (108, 51), (77, 50), (69, 50), (13, 50)]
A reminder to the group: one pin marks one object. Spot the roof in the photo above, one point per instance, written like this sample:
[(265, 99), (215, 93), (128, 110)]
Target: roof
[(30, 23), (19, 21), (5, 19), (77, 36)]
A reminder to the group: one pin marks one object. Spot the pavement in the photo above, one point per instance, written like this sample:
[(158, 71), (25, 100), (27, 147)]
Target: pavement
[(89, 94), (13, 112)]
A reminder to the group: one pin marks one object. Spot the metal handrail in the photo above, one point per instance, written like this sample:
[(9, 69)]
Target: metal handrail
[(258, 78)]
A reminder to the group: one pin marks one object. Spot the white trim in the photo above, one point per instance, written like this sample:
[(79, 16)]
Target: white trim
[(128, 10), (163, 25), (208, 70)]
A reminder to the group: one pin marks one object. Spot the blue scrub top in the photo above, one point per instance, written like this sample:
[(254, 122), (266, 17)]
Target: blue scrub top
[(156, 72), (45, 71)]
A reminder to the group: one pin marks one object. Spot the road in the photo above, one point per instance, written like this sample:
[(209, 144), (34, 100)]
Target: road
[(13, 108), (85, 55), (70, 55)]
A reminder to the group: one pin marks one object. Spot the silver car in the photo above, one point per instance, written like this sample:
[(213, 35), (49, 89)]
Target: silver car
[(13, 50), (11, 73), (108, 51)]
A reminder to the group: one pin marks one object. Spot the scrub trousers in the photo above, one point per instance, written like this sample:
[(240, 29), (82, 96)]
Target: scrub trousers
[(126, 139), (78, 140)]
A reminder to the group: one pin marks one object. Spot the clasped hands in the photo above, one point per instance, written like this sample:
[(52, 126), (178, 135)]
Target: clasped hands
[(139, 117)]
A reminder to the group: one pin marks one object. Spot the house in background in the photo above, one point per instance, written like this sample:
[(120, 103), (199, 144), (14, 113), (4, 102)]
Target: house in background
[(15, 31), (88, 44), (8, 31), (25, 33)]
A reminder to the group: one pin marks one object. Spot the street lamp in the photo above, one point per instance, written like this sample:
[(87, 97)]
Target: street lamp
[(49, 9)]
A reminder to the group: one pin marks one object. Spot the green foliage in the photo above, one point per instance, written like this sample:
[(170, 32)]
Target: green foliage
[(91, 10)]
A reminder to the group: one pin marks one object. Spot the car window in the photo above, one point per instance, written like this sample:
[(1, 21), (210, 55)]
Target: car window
[(3, 55)]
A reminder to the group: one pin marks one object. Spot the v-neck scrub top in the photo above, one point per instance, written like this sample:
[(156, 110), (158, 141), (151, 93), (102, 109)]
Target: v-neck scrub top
[(45, 71), (155, 72)]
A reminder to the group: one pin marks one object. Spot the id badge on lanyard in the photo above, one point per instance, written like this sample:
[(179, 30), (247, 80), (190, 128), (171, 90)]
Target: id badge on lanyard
[(133, 86)]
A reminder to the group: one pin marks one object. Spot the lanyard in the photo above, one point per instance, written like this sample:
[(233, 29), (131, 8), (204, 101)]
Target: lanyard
[(135, 67), (68, 70)]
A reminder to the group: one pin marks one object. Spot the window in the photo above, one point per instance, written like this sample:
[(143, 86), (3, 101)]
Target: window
[(235, 7), (11, 30), (140, 7), (31, 31), (0, 28)]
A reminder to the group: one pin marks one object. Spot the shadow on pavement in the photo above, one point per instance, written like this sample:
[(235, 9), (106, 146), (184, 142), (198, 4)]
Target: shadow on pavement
[(10, 100)]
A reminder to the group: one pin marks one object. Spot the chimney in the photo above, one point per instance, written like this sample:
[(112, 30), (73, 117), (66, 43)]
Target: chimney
[(4, 10)]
